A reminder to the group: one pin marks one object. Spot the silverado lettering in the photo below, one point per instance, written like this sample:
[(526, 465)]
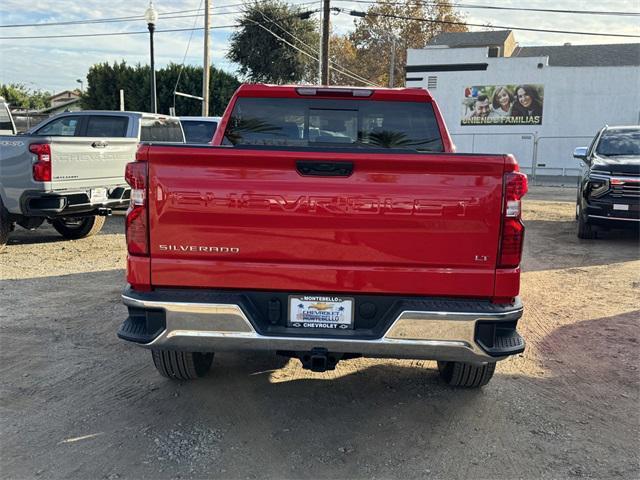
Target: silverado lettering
[(197, 248)]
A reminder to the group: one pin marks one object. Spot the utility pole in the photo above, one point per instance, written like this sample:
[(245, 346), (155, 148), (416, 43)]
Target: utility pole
[(392, 67), (320, 56), (324, 54), (207, 60)]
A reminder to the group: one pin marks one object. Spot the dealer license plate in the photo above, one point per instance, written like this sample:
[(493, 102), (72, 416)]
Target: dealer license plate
[(621, 206), (322, 312), (98, 195)]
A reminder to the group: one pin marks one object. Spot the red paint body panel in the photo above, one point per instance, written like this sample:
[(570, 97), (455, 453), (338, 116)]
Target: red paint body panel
[(395, 216), (507, 283), (325, 278), (139, 272)]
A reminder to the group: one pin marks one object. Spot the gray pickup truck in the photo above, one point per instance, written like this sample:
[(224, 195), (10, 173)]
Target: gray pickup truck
[(69, 170)]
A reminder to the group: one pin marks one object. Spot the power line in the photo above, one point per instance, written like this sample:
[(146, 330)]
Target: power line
[(130, 18), (113, 34), (184, 58), (306, 53), (312, 49), (495, 7), (356, 13)]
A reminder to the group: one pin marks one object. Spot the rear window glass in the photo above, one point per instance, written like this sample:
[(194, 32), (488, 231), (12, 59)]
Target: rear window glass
[(5, 119), (198, 131), (341, 123), (62, 127), (161, 130), (619, 143), (107, 126)]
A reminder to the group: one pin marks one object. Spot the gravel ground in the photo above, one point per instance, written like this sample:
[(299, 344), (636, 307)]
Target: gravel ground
[(77, 403)]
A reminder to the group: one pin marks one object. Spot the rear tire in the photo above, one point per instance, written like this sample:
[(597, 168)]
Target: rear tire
[(467, 375), (5, 226), (74, 228), (181, 365), (586, 231)]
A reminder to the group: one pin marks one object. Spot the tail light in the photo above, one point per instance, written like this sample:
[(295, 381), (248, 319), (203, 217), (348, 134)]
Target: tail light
[(512, 239), (136, 223), (42, 166)]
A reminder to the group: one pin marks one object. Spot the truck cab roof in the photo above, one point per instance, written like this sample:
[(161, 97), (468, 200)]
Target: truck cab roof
[(263, 90)]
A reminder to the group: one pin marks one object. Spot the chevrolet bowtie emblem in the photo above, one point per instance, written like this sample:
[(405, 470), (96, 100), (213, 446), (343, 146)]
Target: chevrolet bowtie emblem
[(321, 306)]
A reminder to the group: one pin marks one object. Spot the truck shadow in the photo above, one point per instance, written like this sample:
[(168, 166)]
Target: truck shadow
[(47, 234), (552, 245)]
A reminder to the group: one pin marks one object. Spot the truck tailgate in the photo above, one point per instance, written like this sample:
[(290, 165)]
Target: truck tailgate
[(85, 162), (423, 224)]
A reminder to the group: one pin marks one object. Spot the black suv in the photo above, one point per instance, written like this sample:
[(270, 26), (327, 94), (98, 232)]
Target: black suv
[(609, 190)]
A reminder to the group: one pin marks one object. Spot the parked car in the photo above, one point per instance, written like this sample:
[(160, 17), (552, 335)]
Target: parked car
[(69, 170), (370, 237), (7, 126), (609, 188), (199, 129)]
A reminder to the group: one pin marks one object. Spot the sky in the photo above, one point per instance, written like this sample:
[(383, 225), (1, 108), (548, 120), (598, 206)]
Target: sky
[(55, 64)]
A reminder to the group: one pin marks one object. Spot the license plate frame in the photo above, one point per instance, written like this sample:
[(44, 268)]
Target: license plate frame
[(98, 195), (321, 312)]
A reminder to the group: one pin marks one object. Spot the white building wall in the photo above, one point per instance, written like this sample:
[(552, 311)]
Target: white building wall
[(578, 101)]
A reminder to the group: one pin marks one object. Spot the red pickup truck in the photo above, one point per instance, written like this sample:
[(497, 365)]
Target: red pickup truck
[(325, 224)]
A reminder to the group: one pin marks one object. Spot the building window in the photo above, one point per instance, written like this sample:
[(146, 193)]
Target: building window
[(432, 82)]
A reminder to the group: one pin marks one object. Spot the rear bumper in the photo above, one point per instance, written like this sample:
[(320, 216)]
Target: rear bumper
[(486, 333), (69, 203)]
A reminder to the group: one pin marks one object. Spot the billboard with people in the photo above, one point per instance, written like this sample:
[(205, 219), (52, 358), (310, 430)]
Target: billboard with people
[(503, 105)]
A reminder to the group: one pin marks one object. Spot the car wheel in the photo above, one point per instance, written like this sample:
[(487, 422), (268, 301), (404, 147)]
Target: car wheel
[(467, 375), (73, 228), (181, 365), (586, 230)]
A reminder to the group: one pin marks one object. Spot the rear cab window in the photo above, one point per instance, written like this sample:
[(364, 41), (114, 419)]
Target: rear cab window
[(107, 126), (198, 131), (307, 122), (161, 129), (5, 117)]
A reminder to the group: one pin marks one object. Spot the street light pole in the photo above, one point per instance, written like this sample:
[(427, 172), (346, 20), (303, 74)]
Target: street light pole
[(81, 85), (151, 16)]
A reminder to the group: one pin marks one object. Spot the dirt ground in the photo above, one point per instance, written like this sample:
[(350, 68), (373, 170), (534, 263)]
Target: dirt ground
[(75, 402)]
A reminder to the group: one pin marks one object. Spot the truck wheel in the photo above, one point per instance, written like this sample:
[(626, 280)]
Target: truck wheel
[(459, 374), (586, 231), (5, 227), (73, 228), (181, 365)]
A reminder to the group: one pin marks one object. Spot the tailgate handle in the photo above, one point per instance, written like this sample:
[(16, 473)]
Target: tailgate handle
[(324, 169), (99, 144)]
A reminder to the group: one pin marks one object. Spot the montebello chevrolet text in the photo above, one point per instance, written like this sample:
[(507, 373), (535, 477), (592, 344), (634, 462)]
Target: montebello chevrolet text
[(325, 224)]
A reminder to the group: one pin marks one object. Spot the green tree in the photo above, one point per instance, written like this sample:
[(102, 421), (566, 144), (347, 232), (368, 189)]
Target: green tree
[(19, 96), (262, 56), (104, 82), (367, 50)]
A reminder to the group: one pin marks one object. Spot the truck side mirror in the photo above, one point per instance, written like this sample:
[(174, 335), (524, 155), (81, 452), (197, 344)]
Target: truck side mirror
[(580, 153)]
